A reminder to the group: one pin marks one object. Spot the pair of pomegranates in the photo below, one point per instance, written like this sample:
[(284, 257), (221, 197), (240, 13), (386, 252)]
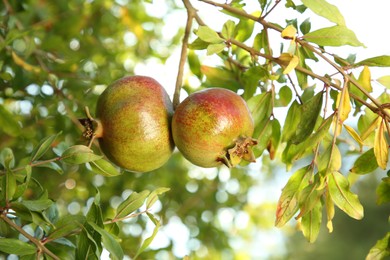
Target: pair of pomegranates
[(137, 127)]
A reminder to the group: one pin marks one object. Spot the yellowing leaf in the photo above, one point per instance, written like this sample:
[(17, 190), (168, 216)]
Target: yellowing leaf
[(370, 128), (22, 63), (381, 148), (365, 79), (343, 104), (291, 65), (385, 81), (354, 135), (289, 32)]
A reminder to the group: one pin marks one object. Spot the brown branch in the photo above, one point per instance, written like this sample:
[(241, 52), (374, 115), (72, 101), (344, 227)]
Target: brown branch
[(34, 240), (191, 11)]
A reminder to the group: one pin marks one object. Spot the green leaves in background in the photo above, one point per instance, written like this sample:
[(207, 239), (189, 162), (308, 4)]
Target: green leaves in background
[(129, 205), (44, 145), (8, 123)]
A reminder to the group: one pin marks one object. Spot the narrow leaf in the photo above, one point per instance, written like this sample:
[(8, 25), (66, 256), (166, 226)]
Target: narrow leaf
[(333, 36), (354, 135), (288, 202), (37, 205), (261, 109), (9, 186), (310, 111), (311, 223), (344, 105), (326, 10), (16, 247), (7, 158), (330, 211), (149, 240), (43, 146), (104, 168), (109, 242), (79, 154), (152, 198), (381, 148), (379, 61), (347, 201), (133, 202), (365, 163)]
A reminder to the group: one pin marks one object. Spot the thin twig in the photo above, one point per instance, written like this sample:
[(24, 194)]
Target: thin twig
[(183, 56), (34, 240)]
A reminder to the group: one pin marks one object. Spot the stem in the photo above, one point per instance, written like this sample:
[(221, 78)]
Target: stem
[(34, 164), (183, 56), (35, 241)]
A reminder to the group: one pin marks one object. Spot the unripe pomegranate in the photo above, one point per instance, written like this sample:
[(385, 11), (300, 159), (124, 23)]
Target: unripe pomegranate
[(214, 126), (133, 123)]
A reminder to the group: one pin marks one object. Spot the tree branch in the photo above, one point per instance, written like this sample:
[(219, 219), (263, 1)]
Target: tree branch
[(34, 240)]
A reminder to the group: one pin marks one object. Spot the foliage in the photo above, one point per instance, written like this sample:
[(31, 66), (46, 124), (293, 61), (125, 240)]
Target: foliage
[(60, 198)]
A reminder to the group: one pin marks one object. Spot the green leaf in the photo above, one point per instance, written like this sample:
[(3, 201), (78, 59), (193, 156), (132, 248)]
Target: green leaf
[(291, 122), (330, 160), (109, 242), (326, 10), (365, 163), (381, 249), (149, 240), (261, 109), (43, 146), (288, 202), (37, 205), (133, 202), (385, 81), (7, 158), (263, 138), (293, 152), (220, 77), (16, 247), (251, 79), (53, 166), (378, 61), (207, 34), (153, 197), (8, 123), (244, 28), (311, 223), (305, 26), (104, 168), (79, 154), (342, 196), (285, 96), (310, 111), (333, 36), (66, 225), (214, 48), (8, 186), (383, 191), (228, 29)]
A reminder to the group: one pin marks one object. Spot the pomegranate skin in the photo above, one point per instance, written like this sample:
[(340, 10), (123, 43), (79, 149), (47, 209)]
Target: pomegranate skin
[(135, 114), (209, 123)]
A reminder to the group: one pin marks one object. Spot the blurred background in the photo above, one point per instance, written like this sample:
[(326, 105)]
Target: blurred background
[(69, 51)]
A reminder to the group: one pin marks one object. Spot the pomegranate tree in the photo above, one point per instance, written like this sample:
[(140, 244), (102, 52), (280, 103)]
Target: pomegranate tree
[(133, 124), (213, 127)]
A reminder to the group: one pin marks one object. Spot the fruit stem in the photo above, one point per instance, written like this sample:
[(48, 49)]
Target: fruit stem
[(93, 127)]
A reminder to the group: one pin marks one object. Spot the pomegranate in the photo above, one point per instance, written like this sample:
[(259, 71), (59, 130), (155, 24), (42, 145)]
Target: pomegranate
[(213, 127), (133, 124)]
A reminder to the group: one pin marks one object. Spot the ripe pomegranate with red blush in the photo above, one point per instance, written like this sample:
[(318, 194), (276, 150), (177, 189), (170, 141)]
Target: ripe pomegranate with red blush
[(213, 127)]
